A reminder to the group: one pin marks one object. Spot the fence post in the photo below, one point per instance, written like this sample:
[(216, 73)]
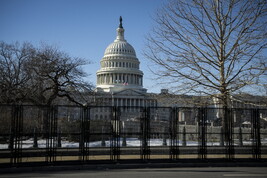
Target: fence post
[(59, 145), (11, 138), (124, 141), (256, 134), (174, 145), (222, 137), (103, 142), (240, 137), (184, 137), (35, 138), (145, 132)]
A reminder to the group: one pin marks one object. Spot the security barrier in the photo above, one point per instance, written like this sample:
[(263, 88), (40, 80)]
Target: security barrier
[(62, 134)]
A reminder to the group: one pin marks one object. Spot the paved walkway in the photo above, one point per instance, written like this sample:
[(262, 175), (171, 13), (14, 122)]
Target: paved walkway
[(214, 172)]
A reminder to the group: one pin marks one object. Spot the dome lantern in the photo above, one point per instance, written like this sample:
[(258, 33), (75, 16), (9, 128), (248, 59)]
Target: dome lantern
[(120, 32)]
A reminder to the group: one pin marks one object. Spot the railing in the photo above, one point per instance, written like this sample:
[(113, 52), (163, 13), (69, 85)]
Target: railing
[(53, 134)]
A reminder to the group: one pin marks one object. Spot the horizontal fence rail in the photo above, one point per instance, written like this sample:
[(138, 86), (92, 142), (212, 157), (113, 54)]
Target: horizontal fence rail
[(52, 134)]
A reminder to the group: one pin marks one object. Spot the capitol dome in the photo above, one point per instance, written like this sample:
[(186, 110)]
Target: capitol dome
[(119, 67), (120, 47)]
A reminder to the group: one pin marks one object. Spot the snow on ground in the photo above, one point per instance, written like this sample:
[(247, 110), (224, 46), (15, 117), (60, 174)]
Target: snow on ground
[(130, 142)]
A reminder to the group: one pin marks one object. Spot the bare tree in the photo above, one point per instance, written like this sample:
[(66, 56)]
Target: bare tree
[(40, 75), (54, 74), (214, 47), (13, 76)]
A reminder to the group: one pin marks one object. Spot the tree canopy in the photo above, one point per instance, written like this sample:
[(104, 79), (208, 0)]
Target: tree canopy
[(40, 75), (216, 47)]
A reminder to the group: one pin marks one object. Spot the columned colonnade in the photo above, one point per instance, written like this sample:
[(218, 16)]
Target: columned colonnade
[(112, 78), (133, 102)]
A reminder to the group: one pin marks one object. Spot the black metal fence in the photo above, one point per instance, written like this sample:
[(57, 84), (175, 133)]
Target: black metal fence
[(53, 134)]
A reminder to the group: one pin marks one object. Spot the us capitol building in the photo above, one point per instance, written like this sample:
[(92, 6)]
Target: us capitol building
[(120, 80), (120, 83)]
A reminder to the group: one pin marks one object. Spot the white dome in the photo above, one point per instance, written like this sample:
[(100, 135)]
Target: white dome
[(120, 47), (119, 67)]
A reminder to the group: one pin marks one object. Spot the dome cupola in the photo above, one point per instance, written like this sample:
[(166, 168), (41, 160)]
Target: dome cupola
[(120, 45), (119, 66)]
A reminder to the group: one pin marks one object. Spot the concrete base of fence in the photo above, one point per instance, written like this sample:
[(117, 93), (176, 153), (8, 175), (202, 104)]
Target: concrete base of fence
[(134, 164)]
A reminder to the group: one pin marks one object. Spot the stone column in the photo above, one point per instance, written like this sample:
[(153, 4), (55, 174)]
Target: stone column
[(106, 78), (130, 104), (121, 102), (134, 102), (133, 79)]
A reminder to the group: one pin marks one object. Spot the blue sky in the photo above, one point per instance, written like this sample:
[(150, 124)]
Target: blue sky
[(82, 28)]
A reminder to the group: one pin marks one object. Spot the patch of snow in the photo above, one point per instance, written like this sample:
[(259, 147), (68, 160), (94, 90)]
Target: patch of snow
[(130, 142)]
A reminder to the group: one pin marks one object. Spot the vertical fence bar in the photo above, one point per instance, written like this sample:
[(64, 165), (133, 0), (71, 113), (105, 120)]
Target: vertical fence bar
[(202, 131), (256, 140), (232, 146), (12, 135), (87, 132), (229, 134), (145, 134), (115, 134), (16, 135), (84, 133), (51, 133), (81, 134), (174, 129)]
